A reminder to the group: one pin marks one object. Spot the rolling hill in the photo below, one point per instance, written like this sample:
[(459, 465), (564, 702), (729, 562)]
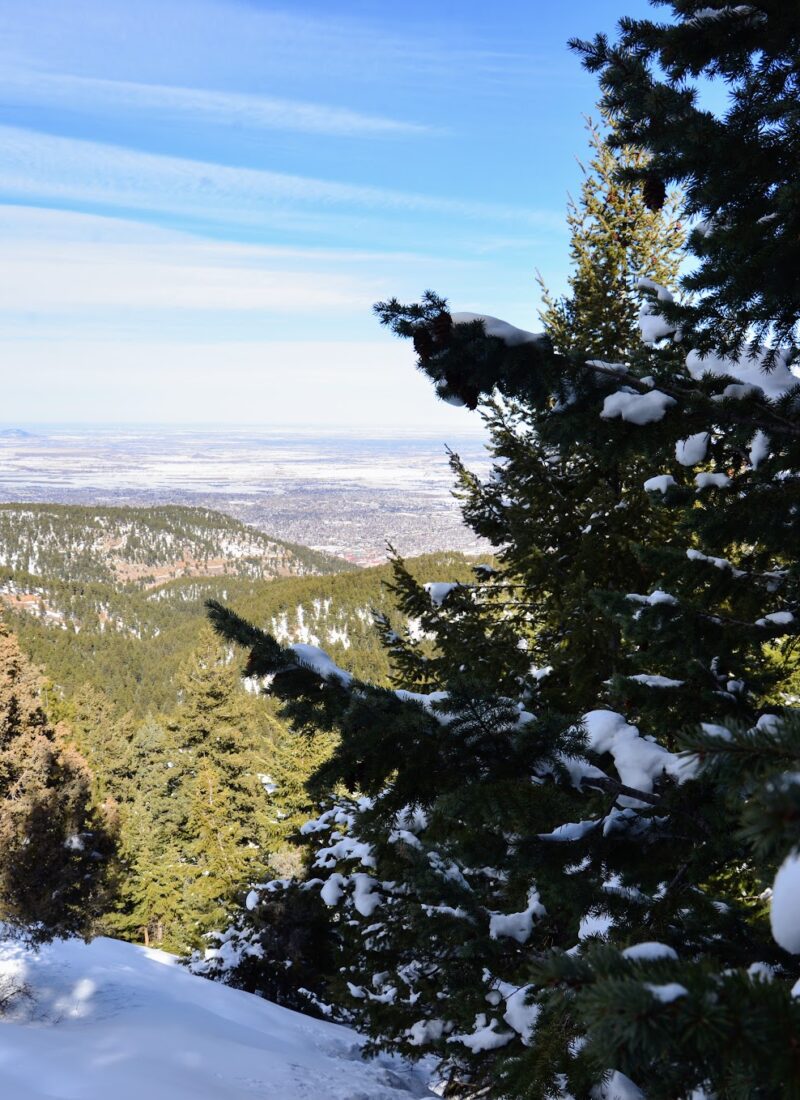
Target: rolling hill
[(94, 596), (143, 547)]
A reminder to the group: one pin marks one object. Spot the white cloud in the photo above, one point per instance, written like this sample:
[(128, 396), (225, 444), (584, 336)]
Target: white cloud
[(237, 109), (228, 43), (89, 271), (42, 167), (66, 262)]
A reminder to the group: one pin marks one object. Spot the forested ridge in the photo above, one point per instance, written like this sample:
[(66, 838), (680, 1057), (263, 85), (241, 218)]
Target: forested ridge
[(141, 547), (128, 641), (195, 776)]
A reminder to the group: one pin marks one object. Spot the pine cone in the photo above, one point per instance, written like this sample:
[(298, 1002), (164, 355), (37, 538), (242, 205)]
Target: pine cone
[(441, 327), (654, 192), (465, 391), (423, 344)]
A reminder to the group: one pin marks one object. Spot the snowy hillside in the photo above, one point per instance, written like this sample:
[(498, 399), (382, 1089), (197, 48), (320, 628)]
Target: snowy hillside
[(109, 1019), (145, 546)]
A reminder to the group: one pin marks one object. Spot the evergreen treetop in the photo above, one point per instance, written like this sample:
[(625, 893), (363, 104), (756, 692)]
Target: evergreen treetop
[(615, 240), (737, 161)]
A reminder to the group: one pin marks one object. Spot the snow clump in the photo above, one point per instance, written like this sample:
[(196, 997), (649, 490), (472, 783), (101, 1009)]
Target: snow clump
[(439, 591), (693, 449), (649, 950), (517, 926), (748, 369), (637, 408), (502, 330), (784, 914), (659, 484), (319, 661), (652, 325)]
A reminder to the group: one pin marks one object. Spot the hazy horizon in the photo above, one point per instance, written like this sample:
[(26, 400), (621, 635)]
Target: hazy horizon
[(347, 491), (470, 428)]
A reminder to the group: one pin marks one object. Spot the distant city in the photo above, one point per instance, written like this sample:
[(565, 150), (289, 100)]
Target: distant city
[(341, 492)]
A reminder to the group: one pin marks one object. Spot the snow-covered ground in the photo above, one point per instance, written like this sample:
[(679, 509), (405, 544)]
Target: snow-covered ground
[(111, 1021)]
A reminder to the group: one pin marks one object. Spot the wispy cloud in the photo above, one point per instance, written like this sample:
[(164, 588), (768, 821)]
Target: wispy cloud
[(242, 110), (80, 273), (204, 188), (48, 278), (230, 43), (42, 167)]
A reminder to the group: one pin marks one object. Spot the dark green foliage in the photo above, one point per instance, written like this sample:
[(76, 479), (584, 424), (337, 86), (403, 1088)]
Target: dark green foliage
[(54, 846), (696, 1040), (133, 654), (286, 950), (559, 833), (737, 164)]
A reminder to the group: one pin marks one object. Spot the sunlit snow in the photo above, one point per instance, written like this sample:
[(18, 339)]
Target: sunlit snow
[(111, 1021)]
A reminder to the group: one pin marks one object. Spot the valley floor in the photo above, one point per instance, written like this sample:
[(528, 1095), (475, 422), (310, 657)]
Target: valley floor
[(112, 1021)]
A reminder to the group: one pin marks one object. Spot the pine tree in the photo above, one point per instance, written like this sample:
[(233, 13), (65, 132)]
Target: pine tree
[(149, 903), (199, 812), (221, 861), (103, 738), (666, 865), (559, 884), (296, 756), (448, 759), (586, 501), (217, 721), (615, 240), (219, 749), (54, 850)]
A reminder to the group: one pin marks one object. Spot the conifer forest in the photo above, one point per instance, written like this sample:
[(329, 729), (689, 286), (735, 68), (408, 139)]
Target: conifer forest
[(520, 824)]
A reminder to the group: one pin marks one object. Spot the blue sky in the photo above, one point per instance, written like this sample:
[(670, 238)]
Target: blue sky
[(200, 199)]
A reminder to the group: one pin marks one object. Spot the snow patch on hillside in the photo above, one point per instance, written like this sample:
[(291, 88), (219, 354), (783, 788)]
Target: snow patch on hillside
[(109, 1019)]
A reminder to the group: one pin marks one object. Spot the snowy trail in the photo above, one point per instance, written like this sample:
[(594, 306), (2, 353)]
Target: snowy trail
[(111, 1021)]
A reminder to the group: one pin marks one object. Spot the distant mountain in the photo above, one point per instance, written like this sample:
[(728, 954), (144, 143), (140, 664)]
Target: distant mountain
[(144, 547), (15, 433)]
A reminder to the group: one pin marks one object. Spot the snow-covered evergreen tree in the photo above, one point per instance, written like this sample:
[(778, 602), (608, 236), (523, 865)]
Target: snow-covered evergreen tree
[(568, 866), (445, 765)]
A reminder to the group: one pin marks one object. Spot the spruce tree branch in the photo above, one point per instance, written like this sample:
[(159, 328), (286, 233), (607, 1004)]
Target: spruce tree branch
[(774, 423), (678, 877), (725, 620), (606, 783)]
